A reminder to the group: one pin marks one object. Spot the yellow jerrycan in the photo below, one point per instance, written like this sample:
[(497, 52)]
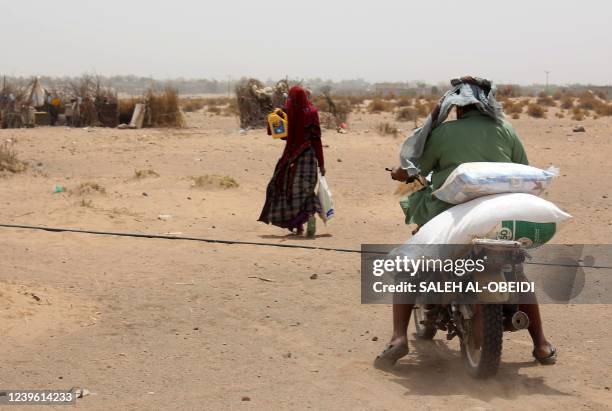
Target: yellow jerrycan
[(277, 120)]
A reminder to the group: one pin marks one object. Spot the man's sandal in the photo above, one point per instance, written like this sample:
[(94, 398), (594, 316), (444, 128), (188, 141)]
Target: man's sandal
[(550, 359), (389, 356)]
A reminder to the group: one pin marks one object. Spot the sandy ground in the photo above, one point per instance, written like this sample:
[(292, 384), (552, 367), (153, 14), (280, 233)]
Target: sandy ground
[(159, 324)]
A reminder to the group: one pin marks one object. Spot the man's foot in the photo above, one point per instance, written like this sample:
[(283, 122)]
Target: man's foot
[(546, 354), (395, 350)]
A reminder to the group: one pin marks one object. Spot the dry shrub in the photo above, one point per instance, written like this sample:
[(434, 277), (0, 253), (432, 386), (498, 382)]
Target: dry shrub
[(577, 114), (567, 102), (164, 108), (516, 116), (508, 90), (214, 110), (406, 114), (557, 95), (145, 173), (339, 109), (379, 105), (422, 109), (404, 101), (88, 187), (9, 161), (545, 100), (214, 180), (387, 129), (536, 111), (192, 104), (560, 115), (513, 107)]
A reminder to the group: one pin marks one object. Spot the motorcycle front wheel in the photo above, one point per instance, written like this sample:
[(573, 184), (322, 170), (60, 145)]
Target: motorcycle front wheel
[(481, 345)]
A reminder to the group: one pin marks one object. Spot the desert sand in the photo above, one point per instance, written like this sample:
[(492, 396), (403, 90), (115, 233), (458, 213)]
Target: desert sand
[(170, 324)]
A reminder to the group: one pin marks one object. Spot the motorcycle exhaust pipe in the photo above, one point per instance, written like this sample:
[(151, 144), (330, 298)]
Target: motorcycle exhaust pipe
[(520, 320)]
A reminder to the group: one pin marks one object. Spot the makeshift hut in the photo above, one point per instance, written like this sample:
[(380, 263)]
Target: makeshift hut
[(255, 101)]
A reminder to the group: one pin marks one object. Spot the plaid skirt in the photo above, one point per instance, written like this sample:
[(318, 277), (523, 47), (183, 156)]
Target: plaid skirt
[(290, 197)]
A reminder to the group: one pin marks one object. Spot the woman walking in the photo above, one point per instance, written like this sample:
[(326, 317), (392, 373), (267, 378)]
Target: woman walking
[(290, 198)]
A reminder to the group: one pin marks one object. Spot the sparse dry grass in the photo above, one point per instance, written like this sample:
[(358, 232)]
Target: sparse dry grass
[(385, 129), (406, 114), (144, 173), (9, 162), (88, 203), (214, 180), (88, 187)]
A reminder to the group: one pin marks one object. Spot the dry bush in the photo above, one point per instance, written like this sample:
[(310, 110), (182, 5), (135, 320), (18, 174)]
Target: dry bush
[(508, 90), (164, 108), (536, 111), (588, 101), (406, 114), (567, 102), (9, 161), (422, 109), (577, 114), (387, 129), (214, 110), (355, 100), (88, 187), (379, 105), (339, 109), (192, 104), (545, 100), (512, 107), (214, 180), (516, 116), (404, 101), (560, 115), (604, 109), (144, 173), (86, 203), (557, 95)]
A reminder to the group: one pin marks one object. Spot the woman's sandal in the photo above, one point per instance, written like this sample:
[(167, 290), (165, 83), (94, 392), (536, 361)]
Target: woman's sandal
[(389, 356), (550, 359)]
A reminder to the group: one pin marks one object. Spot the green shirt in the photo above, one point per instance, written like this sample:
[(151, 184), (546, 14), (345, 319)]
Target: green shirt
[(474, 137)]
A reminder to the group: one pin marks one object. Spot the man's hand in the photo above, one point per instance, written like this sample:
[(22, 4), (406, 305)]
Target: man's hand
[(399, 174)]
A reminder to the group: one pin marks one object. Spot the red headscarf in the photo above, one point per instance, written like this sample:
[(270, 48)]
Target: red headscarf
[(301, 114)]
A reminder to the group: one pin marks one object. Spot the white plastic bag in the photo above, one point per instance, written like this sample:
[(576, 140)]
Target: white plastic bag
[(473, 180), (325, 200), (479, 217)]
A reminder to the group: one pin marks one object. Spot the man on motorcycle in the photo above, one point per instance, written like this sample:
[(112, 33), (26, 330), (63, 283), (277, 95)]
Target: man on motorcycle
[(478, 135)]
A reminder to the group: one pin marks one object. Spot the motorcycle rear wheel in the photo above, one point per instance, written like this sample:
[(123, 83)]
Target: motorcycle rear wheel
[(481, 349)]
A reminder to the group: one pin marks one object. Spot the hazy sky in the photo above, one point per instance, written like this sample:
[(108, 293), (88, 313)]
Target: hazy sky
[(381, 40)]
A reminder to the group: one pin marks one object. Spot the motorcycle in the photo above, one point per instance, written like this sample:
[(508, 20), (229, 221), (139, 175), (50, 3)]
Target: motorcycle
[(480, 326)]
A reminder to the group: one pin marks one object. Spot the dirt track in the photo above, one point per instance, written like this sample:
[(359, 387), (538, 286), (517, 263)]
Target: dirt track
[(155, 324)]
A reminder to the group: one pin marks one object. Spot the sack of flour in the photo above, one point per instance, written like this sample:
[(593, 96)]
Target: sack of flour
[(473, 180), (504, 216)]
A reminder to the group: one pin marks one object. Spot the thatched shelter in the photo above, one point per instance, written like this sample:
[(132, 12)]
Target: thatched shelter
[(255, 101)]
